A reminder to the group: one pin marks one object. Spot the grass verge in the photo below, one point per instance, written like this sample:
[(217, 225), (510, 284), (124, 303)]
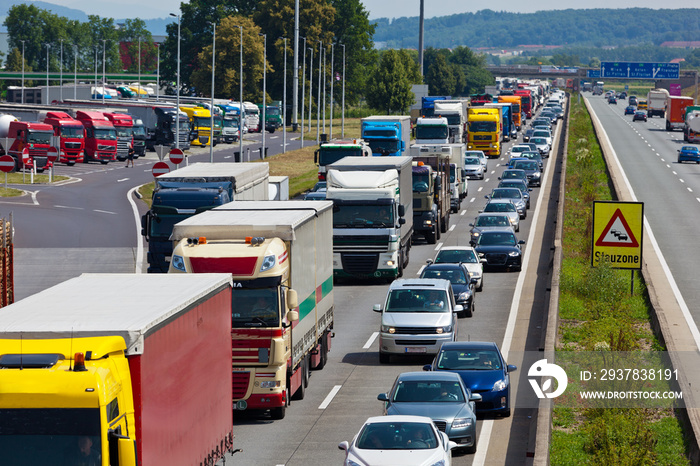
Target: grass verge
[(598, 313)]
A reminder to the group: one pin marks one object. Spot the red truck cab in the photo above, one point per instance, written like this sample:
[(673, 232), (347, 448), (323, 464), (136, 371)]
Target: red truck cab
[(124, 125), (34, 136), (100, 137), (69, 137), (526, 101)]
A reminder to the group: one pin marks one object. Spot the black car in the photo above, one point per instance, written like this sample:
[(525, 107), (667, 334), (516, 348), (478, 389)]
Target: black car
[(612, 100), (463, 285), (640, 115), (528, 134), (501, 249), (632, 100), (532, 170)]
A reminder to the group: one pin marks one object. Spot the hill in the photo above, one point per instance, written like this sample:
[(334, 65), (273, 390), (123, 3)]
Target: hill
[(591, 28)]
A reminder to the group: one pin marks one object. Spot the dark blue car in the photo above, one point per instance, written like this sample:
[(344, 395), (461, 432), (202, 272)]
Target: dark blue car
[(689, 154), (482, 368)]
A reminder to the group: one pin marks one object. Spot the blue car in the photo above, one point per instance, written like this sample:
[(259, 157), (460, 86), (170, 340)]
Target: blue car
[(482, 368), (630, 109), (689, 154)]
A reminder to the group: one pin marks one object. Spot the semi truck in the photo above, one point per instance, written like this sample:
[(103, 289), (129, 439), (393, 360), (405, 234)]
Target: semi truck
[(283, 313), (387, 134), (200, 124), (427, 104), (140, 137), (124, 126), (485, 130), (692, 124), (69, 137), (675, 111), (432, 130), (507, 121), (656, 102), (525, 101), (230, 130), (187, 191), (373, 216), (118, 369), (516, 108), (15, 136), (332, 151), (456, 113), (100, 137), (252, 117), (437, 157)]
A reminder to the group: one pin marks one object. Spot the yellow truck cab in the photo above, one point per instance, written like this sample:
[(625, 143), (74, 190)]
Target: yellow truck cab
[(200, 122), (485, 130)]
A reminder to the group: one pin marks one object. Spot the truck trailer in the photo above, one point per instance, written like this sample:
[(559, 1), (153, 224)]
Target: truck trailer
[(387, 134), (456, 113), (675, 111), (187, 191), (373, 216), (656, 102), (438, 209), (118, 369), (280, 256)]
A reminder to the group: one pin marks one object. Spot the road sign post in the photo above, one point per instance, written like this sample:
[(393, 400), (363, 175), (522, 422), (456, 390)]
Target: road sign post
[(617, 234), (160, 168), (25, 159), (7, 164)]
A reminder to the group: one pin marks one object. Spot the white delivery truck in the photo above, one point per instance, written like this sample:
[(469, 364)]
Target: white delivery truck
[(656, 102), (280, 256), (373, 215), (456, 113), (432, 130)]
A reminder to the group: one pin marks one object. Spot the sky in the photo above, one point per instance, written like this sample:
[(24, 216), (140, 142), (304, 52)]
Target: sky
[(376, 8)]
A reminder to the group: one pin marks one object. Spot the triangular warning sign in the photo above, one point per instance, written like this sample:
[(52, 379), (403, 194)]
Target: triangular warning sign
[(617, 233)]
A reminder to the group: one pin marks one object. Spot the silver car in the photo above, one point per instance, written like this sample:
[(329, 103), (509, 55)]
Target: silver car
[(543, 134), (488, 221), (418, 316), (514, 195), (482, 157), (505, 206), (442, 396), (473, 167), (542, 146)]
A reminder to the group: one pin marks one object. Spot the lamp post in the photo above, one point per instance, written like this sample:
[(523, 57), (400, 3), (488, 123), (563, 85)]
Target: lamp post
[(75, 71), (318, 104), (139, 85), (332, 79), (324, 89), (60, 80), (311, 84), (213, 72), (22, 71), (303, 89), (157, 71), (104, 87), (240, 98), (48, 46), (177, 117), (264, 115), (295, 77), (92, 96), (342, 126), (284, 100)]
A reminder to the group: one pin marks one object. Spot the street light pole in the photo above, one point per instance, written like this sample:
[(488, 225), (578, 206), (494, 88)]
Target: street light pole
[(157, 71), (295, 83), (332, 79), (325, 53), (104, 87), (75, 71), (139, 67), (22, 71), (264, 115), (318, 104), (240, 98), (342, 130), (213, 72), (284, 100), (177, 114), (311, 84), (303, 89), (48, 46), (60, 82)]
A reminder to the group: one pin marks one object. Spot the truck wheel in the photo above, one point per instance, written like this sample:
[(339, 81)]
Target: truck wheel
[(104, 162), (307, 370), (278, 413), (384, 358), (301, 391)]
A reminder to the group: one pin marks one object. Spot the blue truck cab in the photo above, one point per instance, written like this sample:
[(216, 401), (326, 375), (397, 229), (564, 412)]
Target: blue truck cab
[(387, 135), (427, 104)]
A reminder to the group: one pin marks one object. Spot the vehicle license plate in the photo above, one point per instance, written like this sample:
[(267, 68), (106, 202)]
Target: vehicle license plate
[(412, 349)]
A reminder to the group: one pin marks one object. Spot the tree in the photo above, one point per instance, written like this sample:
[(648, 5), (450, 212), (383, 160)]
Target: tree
[(14, 63), (440, 77), (129, 34), (389, 86)]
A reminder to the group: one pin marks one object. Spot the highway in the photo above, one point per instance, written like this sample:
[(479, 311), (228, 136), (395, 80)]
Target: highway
[(92, 224)]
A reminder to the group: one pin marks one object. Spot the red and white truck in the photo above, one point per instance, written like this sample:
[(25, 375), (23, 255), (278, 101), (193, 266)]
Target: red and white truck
[(15, 136), (100, 136), (118, 369), (69, 137), (124, 125), (675, 111)]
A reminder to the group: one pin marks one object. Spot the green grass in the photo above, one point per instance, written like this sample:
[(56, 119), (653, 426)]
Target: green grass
[(24, 179)]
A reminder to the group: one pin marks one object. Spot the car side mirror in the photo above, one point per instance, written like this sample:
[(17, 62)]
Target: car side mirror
[(471, 224), (511, 368), (377, 308), (522, 241), (383, 397), (428, 367), (475, 397), (474, 281), (343, 445), (451, 445), (483, 261), (458, 308)]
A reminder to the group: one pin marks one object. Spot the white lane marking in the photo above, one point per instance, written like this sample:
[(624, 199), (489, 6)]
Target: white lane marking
[(690, 190), (472, 200), (420, 271), (673, 172), (137, 224), (68, 207), (34, 199), (452, 227), (227, 157), (681, 180), (330, 397), (464, 211), (438, 246), (104, 212), (697, 199), (371, 340), (123, 179), (480, 188)]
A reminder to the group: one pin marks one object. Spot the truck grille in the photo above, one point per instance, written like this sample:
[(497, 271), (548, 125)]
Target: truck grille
[(105, 147), (360, 264), (416, 330), (240, 384), (482, 137), (72, 145), (351, 243)]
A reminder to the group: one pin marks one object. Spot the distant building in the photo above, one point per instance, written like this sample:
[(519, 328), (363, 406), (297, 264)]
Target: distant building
[(682, 44)]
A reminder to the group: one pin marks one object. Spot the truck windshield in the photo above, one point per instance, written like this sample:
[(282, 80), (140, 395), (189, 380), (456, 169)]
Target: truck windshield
[(105, 133), (362, 216), (421, 183), (39, 137), (139, 131), (123, 132), (417, 301), (453, 120), (452, 173), (202, 122), (72, 131), (482, 126), (379, 145), (50, 436), (255, 308), (230, 123), (272, 111), (327, 156), (431, 132)]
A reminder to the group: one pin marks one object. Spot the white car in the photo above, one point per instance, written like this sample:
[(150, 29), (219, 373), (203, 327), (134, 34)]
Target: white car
[(398, 439), (467, 257), (515, 150)]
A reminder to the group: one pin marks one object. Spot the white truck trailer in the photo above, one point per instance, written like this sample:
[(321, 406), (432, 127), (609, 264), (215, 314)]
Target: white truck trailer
[(280, 256), (656, 102), (456, 113), (373, 215)]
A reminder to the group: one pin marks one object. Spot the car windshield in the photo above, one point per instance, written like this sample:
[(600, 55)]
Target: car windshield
[(419, 391), (689, 148), (456, 276), (480, 360), (492, 221), (539, 141), (474, 153), (512, 175), (255, 307), (505, 193), (526, 165), (542, 134), (497, 239), (397, 436), (471, 161), (418, 300), (451, 256), (499, 207)]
